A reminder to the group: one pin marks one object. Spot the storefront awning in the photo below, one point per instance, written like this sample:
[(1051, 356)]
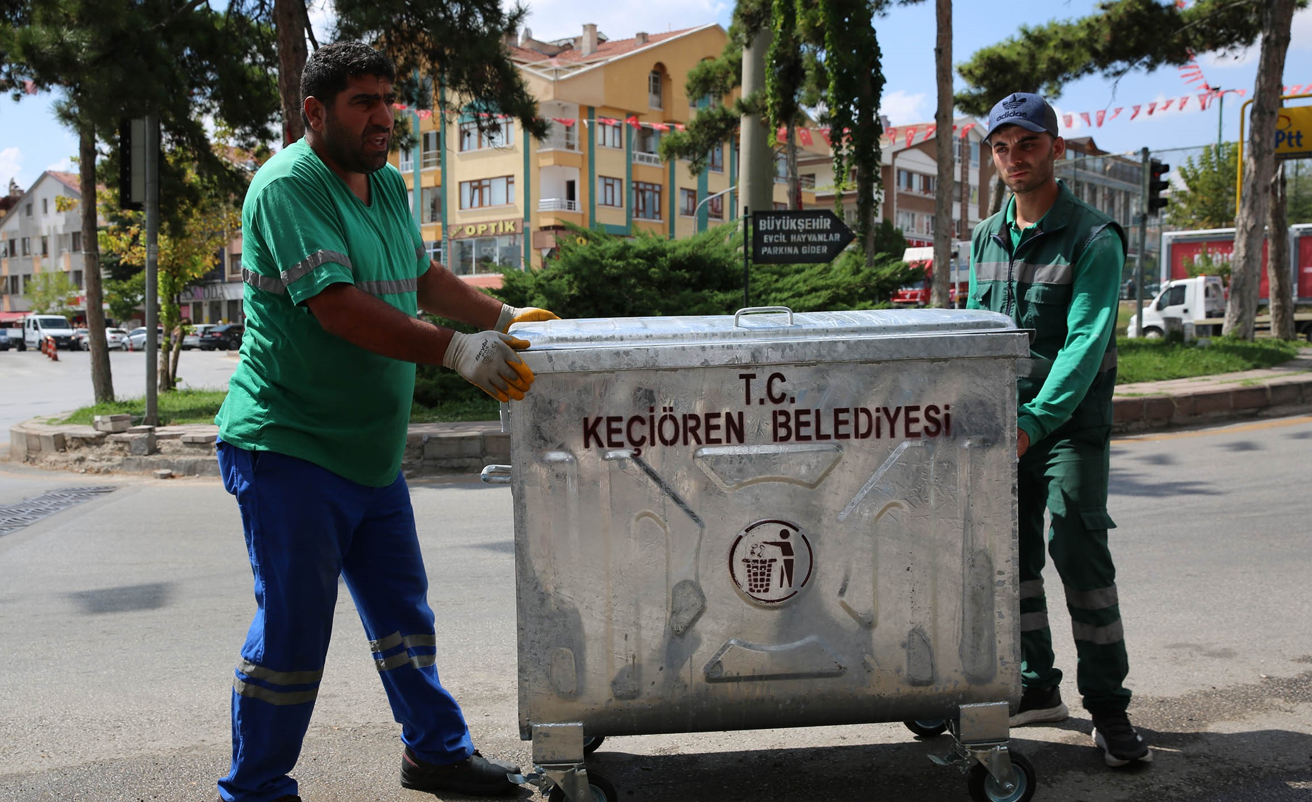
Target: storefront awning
[(12, 317)]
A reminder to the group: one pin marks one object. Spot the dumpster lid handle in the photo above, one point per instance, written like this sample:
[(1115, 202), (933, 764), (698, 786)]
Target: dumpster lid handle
[(760, 310)]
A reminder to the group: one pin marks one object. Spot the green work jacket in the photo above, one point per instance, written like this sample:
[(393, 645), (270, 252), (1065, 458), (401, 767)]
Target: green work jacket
[(1061, 283)]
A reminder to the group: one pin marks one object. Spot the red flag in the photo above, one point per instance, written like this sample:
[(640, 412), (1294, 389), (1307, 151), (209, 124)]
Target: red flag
[(1067, 120), (911, 134), (929, 132), (781, 135), (1151, 108), (678, 127), (633, 121), (804, 136), (891, 133), (660, 126), (965, 131), (424, 114), (1084, 115), (565, 121), (1202, 102), (608, 121), (824, 133), (1167, 105), (1136, 112), (1116, 112), (1100, 114), (1184, 101)]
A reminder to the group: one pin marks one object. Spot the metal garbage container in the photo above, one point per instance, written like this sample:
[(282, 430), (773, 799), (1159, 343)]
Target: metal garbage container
[(768, 520)]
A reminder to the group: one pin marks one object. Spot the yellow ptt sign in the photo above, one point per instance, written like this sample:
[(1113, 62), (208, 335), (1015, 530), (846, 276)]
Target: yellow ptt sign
[(1294, 133)]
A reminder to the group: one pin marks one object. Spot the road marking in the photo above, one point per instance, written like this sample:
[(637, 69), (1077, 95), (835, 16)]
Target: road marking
[(1250, 427)]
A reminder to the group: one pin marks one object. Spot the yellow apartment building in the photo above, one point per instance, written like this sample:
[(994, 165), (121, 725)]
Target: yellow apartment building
[(489, 201)]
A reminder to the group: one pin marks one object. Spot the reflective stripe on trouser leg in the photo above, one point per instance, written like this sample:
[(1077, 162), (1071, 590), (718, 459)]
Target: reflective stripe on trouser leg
[(384, 570), (1077, 468), (1037, 664), (295, 554)]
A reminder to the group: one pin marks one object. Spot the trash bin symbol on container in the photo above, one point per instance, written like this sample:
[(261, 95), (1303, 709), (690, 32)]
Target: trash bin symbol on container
[(770, 561)]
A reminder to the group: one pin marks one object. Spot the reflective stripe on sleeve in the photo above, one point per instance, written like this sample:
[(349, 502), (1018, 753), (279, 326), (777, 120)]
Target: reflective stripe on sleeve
[(389, 287), (1092, 599), (252, 691), (1031, 589), (1101, 636), (261, 282), (1030, 622), (312, 261), (279, 677)]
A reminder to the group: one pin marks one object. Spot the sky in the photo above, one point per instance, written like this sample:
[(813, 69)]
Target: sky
[(32, 141)]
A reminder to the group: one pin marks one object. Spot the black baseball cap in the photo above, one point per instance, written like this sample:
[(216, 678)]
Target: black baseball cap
[(1027, 110)]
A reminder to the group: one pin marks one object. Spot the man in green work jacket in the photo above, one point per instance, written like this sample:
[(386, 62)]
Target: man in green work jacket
[(1053, 263)]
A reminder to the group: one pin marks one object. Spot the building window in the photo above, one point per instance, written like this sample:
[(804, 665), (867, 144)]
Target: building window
[(928, 184), (45, 206), (974, 195), (13, 247), (433, 249), (654, 89), (780, 206), (906, 222), (45, 246), (29, 210), (77, 279), (407, 160), (431, 155), (478, 255), (27, 244), (646, 201), (234, 265), (716, 161), (716, 205), (473, 139), (430, 210), (611, 192), (487, 192), (905, 180), (687, 202), (13, 285), (610, 135)]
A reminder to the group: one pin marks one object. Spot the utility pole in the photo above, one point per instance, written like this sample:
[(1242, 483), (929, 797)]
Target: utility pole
[(755, 159), (152, 268), (1146, 177)]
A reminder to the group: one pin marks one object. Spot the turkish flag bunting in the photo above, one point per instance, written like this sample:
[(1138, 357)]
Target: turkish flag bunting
[(911, 134), (824, 132), (1202, 102), (1167, 105), (608, 121), (424, 114), (1067, 120), (892, 133), (633, 121), (1151, 108), (678, 127), (565, 121), (804, 136), (929, 132), (966, 130), (1084, 115), (660, 126), (1116, 112), (1136, 112), (1184, 101), (1100, 114), (781, 135)]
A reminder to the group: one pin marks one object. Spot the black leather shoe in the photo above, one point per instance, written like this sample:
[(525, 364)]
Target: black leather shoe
[(475, 775)]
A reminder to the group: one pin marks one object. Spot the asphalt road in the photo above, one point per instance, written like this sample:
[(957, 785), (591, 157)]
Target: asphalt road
[(121, 620), (31, 384)]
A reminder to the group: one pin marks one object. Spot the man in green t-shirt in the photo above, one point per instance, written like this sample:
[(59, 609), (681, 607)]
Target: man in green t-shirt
[(313, 429)]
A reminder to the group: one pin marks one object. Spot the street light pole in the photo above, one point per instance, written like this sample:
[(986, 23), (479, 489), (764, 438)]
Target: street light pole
[(706, 199)]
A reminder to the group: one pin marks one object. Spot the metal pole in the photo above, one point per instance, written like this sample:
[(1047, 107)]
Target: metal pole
[(152, 267), (1143, 238), (1220, 117), (747, 250)]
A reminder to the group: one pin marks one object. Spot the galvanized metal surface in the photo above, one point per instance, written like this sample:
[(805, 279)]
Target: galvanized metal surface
[(818, 530), (22, 514)]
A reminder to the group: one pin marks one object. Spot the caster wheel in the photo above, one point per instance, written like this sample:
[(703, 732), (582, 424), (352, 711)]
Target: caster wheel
[(602, 790), (983, 788), (592, 743), (927, 727)]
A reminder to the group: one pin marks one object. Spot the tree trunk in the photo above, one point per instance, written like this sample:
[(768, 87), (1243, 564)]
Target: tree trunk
[(867, 181), (102, 380), (1259, 166), (1277, 261), (291, 20), (755, 160), (941, 280), (794, 181), (999, 192)]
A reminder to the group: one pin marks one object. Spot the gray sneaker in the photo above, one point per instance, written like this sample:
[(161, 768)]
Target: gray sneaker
[(1040, 705)]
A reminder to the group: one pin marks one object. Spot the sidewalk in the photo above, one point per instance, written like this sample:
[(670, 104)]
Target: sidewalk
[(445, 449)]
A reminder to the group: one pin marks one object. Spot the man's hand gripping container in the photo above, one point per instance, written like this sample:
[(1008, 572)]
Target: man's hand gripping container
[(768, 520)]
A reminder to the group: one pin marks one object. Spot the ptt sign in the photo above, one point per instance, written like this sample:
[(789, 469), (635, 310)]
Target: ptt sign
[(1294, 133)]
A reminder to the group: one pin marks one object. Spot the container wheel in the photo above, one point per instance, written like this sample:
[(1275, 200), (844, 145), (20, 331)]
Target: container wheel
[(983, 788), (927, 727), (602, 791), (592, 743)]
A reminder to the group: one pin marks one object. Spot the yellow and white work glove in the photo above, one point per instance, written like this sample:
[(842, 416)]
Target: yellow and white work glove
[(528, 314), (488, 361)]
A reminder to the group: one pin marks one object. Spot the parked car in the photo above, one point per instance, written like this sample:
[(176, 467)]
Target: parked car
[(115, 339), (226, 337), (81, 340), (192, 338), (137, 339)]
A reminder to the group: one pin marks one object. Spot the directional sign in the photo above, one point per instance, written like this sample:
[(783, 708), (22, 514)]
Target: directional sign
[(798, 237), (1294, 133)]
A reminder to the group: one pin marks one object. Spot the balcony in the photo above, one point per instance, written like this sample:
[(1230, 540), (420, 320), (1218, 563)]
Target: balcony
[(650, 159), (557, 205), (561, 138)]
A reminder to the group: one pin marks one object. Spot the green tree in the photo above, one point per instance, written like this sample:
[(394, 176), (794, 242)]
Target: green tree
[(1207, 199), (124, 296), (52, 292)]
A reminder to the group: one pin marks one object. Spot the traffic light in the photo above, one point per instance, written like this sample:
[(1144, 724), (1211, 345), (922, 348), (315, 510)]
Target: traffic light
[(1156, 183)]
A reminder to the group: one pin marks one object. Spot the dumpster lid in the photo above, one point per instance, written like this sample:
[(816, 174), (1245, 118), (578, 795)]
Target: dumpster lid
[(757, 324)]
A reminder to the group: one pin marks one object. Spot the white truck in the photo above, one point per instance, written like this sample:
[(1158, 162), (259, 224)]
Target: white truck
[(1196, 307), (37, 327)]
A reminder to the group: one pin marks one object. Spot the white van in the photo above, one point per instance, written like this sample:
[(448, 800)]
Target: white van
[(1181, 301), (37, 327)]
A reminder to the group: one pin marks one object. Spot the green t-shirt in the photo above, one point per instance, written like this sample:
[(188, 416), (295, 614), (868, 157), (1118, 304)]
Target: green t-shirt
[(299, 390)]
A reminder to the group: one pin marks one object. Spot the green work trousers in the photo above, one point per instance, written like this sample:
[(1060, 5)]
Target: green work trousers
[(1066, 474)]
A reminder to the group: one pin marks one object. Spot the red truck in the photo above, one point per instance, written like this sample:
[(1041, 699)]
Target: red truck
[(918, 294), (1180, 249)]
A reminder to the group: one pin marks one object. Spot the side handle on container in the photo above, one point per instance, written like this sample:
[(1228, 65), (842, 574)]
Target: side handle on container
[(495, 475), (760, 310)]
